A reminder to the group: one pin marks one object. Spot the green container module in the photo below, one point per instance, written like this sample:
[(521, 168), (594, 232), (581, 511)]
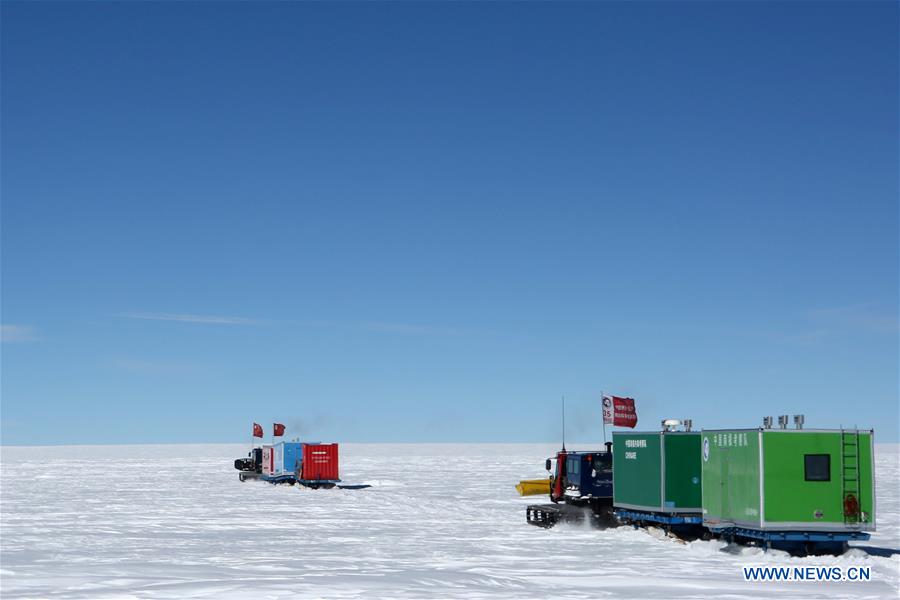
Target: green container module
[(657, 471), (788, 479)]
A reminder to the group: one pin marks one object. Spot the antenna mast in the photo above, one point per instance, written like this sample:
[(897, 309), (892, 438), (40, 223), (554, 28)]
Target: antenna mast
[(564, 423)]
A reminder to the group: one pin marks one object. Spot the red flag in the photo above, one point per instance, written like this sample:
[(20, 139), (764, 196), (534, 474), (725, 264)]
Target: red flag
[(619, 411), (278, 428), (257, 430)]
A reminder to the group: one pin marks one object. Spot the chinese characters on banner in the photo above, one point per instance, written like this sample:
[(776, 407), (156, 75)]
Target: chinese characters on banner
[(619, 411)]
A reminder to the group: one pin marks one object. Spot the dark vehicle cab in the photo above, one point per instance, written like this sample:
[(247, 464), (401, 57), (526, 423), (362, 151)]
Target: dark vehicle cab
[(582, 477)]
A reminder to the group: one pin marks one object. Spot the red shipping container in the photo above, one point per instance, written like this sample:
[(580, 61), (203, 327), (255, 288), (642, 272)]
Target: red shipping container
[(320, 462)]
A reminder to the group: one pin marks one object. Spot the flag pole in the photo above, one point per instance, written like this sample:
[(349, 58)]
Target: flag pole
[(603, 417)]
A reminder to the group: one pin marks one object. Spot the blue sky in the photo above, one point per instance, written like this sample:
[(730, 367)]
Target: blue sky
[(428, 221)]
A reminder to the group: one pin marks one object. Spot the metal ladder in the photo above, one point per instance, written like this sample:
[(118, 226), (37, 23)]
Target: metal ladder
[(850, 473)]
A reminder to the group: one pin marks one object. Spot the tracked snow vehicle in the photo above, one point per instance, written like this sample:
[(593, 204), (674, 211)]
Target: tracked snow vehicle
[(250, 467), (581, 487)]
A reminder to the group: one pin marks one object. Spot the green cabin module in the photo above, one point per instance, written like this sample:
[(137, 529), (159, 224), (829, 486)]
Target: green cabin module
[(657, 471), (789, 479)]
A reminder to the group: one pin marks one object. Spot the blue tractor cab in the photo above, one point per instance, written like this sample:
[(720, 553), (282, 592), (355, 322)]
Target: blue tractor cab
[(582, 477), (581, 485)]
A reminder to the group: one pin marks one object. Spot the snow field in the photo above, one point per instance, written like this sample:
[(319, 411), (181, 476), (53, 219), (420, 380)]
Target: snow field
[(443, 520)]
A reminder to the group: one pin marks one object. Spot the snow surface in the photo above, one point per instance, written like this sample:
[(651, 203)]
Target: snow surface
[(442, 521)]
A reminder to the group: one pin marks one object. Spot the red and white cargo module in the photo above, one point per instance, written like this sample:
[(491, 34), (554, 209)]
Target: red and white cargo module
[(310, 464)]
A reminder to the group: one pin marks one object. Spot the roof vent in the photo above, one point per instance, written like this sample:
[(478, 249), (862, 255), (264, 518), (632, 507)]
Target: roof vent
[(783, 421), (798, 421), (767, 422)]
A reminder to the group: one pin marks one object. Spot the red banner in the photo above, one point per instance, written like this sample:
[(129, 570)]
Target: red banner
[(278, 429), (257, 430), (619, 411)]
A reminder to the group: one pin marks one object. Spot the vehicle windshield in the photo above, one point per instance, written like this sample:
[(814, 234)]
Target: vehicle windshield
[(603, 462)]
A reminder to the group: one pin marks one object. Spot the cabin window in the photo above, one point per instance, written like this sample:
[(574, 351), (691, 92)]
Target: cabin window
[(573, 467), (817, 467)]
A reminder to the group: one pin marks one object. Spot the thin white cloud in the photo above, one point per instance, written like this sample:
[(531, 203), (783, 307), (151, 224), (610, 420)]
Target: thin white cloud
[(17, 333), (863, 316), (191, 318), (153, 367), (829, 322), (411, 329), (798, 337)]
